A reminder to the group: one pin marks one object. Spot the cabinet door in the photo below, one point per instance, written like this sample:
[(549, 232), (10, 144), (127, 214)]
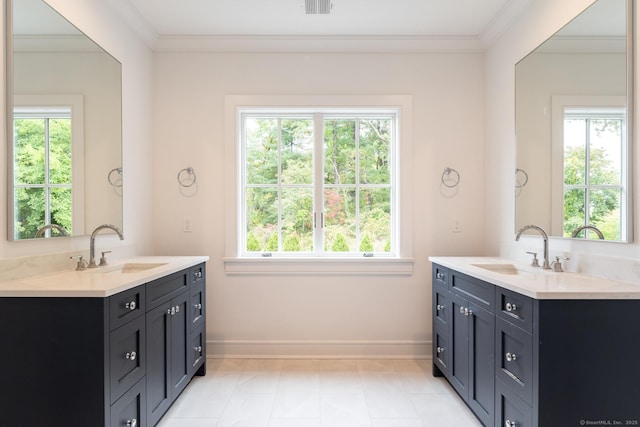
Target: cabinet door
[(459, 344), (158, 389), (481, 363), (179, 342)]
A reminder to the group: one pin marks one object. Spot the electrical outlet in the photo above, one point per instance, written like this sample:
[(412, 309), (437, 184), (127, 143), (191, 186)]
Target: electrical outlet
[(187, 225)]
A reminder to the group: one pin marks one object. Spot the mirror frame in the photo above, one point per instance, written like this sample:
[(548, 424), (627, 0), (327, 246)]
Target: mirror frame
[(9, 83), (630, 34)]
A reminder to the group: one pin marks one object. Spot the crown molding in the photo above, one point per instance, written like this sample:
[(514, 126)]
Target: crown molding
[(503, 20), (317, 44)]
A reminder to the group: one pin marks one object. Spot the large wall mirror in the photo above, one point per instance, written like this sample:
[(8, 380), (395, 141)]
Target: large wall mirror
[(574, 128), (64, 138)]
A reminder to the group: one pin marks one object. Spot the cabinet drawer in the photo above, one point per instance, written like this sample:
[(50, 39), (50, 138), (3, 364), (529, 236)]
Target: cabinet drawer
[(475, 290), (126, 305), (511, 411), (440, 275), (440, 303), (515, 308), (198, 274), (127, 356), (514, 359), (130, 410), (441, 350), (197, 350), (164, 289), (197, 306)]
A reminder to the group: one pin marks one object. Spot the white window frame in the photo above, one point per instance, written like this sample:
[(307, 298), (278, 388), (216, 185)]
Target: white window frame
[(561, 103), (236, 262), (23, 104)]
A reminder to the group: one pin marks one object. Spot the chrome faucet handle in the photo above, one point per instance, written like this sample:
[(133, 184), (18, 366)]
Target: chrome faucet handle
[(556, 265), (81, 265), (103, 259), (534, 261)]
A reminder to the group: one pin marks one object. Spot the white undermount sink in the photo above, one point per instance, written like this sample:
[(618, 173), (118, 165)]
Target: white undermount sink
[(132, 267), (508, 269)]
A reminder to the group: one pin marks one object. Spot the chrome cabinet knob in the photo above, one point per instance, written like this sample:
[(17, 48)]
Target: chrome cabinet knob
[(177, 309), (511, 357), (439, 276), (462, 310), (510, 307), (197, 306), (439, 350), (439, 307), (132, 423), (198, 349), (131, 355), (508, 423), (131, 305)]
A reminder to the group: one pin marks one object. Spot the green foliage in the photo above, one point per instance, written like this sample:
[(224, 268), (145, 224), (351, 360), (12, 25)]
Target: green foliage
[(602, 202), (352, 148), (340, 244), (30, 168), (272, 243), (292, 243), (365, 244), (253, 245)]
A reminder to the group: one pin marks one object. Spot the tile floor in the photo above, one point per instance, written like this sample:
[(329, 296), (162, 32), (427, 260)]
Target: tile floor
[(318, 393)]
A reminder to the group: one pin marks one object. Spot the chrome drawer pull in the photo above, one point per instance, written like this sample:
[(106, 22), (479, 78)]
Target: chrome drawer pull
[(440, 350), (198, 349), (509, 423), (131, 356), (132, 423), (511, 307), (462, 310), (177, 309), (439, 276), (197, 306), (439, 307), (511, 357), (131, 305), (171, 311)]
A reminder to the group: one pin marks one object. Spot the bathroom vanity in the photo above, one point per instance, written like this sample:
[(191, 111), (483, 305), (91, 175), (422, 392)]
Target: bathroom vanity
[(112, 346), (525, 347)]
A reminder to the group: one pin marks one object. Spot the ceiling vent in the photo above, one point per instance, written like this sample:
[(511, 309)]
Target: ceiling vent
[(318, 7)]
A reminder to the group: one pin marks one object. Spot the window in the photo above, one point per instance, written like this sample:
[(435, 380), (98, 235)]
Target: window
[(593, 147), (42, 169), (318, 182)]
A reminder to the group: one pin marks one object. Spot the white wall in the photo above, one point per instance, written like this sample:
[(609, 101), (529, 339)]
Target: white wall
[(605, 259), (319, 314), (101, 24)]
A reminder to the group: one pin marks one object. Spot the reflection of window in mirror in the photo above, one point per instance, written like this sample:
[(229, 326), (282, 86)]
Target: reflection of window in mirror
[(47, 144), (589, 135)]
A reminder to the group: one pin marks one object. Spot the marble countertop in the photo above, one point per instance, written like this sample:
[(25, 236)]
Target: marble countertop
[(99, 282), (537, 283)]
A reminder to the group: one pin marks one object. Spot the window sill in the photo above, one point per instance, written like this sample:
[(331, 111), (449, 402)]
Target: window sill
[(318, 266)]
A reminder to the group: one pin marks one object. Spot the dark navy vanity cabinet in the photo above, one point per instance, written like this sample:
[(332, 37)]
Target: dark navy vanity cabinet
[(115, 361), (523, 362)]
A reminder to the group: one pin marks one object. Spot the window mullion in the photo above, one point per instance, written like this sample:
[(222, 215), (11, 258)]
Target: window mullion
[(279, 183), (318, 184)]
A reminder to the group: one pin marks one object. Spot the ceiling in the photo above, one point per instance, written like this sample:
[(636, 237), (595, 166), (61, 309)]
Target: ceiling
[(387, 24)]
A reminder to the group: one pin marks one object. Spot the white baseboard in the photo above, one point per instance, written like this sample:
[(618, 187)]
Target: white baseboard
[(319, 349)]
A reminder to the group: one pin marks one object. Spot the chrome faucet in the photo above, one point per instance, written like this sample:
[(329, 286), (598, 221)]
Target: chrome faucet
[(44, 228), (545, 238), (588, 227), (92, 242)]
